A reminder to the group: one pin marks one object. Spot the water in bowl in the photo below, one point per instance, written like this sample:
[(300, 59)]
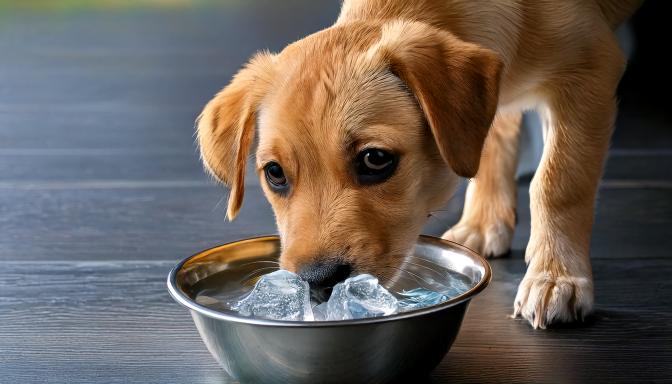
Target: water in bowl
[(417, 284)]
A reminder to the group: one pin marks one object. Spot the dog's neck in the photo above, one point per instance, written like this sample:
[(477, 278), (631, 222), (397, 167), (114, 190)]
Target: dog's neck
[(495, 28)]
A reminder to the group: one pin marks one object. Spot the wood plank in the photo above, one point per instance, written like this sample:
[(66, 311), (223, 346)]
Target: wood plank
[(72, 165), (142, 56), (114, 322), (642, 127), (169, 221), (163, 223), (639, 165), (629, 222), (107, 125), (97, 322), (617, 344)]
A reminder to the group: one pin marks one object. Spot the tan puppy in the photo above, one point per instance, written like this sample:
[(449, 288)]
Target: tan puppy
[(363, 129)]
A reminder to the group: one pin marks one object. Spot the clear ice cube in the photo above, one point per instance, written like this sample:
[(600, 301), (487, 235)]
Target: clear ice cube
[(359, 297), (320, 312), (281, 295)]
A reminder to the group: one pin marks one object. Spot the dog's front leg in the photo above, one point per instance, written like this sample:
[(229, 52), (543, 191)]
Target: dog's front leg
[(489, 215), (558, 285)]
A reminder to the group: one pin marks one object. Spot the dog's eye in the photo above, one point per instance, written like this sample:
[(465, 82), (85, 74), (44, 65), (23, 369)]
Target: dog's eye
[(275, 176), (375, 165)]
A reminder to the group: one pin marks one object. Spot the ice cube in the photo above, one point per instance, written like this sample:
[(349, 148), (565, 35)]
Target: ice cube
[(281, 295), (419, 298), (320, 312), (359, 297)]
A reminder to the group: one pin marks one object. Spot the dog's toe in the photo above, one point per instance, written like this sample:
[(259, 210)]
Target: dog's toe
[(492, 240), (543, 300)]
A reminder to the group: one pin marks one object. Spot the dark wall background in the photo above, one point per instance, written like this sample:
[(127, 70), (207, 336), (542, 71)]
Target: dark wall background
[(645, 92)]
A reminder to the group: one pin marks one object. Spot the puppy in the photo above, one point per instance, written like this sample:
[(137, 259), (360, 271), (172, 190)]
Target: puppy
[(364, 128)]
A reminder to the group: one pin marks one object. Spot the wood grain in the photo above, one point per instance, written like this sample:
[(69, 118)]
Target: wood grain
[(163, 223), (170, 220), (114, 322), (97, 322)]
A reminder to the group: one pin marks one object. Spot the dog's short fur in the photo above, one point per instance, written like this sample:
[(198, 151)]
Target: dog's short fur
[(441, 84)]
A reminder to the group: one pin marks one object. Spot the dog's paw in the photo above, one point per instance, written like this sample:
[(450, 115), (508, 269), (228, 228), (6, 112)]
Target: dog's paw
[(489, 240), (543, 299)]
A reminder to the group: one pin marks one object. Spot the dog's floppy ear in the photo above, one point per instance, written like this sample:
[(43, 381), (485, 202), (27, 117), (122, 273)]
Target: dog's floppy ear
[(456, 84), (226, 127)]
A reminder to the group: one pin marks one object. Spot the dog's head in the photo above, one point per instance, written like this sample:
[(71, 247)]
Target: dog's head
[(360, 131)]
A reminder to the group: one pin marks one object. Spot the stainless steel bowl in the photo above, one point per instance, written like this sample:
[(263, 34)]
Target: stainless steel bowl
[(373, 350)]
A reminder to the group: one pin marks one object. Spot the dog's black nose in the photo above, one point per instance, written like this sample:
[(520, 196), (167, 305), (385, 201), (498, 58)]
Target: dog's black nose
[(324, 274)]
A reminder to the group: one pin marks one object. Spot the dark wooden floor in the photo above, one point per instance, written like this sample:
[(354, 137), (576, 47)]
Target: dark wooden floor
[(101, 193)]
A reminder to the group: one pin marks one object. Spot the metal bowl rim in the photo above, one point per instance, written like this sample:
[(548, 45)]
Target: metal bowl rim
[(179, 296)]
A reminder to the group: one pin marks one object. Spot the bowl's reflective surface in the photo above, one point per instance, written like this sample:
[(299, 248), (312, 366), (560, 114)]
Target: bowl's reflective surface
[(367, 350)]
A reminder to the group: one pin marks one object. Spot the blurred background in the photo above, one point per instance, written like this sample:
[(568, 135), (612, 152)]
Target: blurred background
[(101, 192)]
